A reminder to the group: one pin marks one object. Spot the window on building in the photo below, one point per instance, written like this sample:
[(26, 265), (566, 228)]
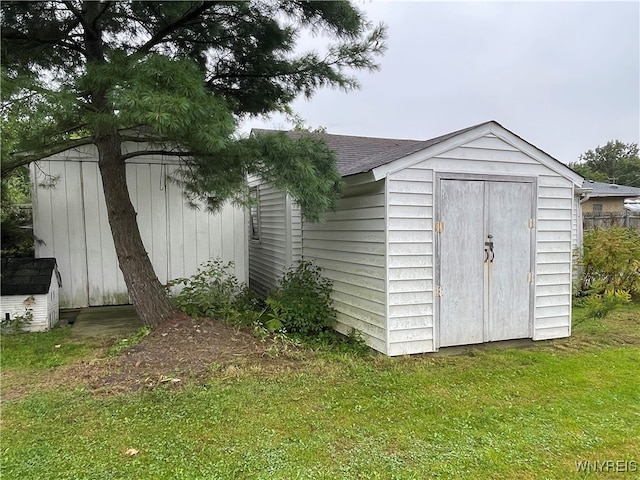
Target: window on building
[(597, 208), (255, 213)]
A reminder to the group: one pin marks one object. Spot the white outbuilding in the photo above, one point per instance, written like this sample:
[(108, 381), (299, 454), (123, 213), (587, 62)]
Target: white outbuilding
[(463, 239), (70, 223), (30, 291)]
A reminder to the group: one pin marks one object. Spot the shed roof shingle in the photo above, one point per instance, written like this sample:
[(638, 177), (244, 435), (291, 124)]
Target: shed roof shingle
[(351, 151), (27, 276), (362, 154)]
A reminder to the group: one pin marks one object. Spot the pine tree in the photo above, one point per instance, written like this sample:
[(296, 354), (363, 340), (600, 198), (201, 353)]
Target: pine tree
[(178, 74)]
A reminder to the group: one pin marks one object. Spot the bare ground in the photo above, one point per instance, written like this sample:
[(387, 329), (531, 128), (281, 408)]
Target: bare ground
[(178, 352)]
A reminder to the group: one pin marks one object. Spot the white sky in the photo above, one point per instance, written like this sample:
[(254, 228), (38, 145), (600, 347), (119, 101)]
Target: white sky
[(564, 76)]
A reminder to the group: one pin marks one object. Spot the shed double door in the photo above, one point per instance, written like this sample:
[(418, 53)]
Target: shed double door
[(485, 261)]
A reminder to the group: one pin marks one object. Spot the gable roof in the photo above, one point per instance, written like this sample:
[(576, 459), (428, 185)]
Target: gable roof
[(351, 151), (599, 189), (27, 276), (364, 154)]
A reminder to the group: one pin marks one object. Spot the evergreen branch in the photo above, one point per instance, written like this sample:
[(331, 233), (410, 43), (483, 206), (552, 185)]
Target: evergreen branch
[(144, 153), (76, 13), (19, 159), (12, 35), (169, 28)]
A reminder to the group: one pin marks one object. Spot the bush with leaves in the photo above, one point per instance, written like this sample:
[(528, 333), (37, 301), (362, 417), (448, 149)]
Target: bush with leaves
[(599, 305), (215, 292), (610, 270), (303, 303), (610, 261)]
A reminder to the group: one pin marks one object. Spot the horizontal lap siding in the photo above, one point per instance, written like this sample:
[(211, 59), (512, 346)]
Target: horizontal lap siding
[(14, 305), (410, 261), (349, 247), (268, 256), (411, 220), (556, 236), (296, 233)]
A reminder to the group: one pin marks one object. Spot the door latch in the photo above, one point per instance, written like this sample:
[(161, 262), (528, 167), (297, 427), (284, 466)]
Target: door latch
[(489, 254)]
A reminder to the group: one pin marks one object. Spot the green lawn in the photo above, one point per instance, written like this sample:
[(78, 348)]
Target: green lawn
[(494, 413)]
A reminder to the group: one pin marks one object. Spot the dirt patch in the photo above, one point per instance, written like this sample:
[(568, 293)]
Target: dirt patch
[(183, 350)]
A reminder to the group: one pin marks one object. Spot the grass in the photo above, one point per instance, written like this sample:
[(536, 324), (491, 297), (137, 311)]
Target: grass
[(34, 351), (494, 413)]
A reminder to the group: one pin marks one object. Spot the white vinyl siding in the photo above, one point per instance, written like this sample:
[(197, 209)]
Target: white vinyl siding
[(279, 246), (70, 224), (349, 246), (410, 229), (379, 247), (410, 261), (556, 236), (42, 311)]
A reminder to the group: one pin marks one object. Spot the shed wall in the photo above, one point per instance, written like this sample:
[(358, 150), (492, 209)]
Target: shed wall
[(349, 246), (70, 224), (556, 239), (59, 225), (410, 261), (280, 243), (410, 200)]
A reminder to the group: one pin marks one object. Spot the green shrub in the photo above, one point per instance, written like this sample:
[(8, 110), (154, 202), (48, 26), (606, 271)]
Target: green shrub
[(302, 304), (610, 262), (599, 305), (215, 292)]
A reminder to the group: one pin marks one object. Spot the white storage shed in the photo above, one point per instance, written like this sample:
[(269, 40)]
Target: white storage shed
[(462, 239), (30, 286), (70, 223)]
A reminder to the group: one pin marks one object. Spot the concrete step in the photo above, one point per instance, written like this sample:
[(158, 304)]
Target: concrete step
[(112, 321)]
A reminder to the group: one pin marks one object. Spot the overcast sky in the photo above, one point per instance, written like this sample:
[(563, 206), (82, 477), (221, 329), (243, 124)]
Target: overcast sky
[(564, 76)]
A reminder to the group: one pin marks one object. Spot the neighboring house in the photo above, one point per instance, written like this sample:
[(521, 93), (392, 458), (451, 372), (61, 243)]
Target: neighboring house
[(607, 198), (70, 223), (462, 239), (30, 285)]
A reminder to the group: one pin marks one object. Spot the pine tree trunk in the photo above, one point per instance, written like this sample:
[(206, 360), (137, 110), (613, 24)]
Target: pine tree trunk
[(147, 293)]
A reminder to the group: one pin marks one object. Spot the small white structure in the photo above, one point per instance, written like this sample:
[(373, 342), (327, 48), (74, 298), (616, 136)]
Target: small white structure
[(30, 286), (462, 239), (70, 223)]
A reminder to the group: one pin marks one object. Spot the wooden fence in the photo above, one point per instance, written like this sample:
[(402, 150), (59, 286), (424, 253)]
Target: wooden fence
[(606, 220)]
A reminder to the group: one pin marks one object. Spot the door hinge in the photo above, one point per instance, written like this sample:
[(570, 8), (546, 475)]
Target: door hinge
[(532, 223), (439, 227), (438, 291), (530, 277)]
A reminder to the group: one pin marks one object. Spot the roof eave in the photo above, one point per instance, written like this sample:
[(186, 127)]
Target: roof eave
[(481, 130), (431, 151)]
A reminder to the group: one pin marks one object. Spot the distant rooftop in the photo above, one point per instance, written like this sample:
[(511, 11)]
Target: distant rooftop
[(600, 189)]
